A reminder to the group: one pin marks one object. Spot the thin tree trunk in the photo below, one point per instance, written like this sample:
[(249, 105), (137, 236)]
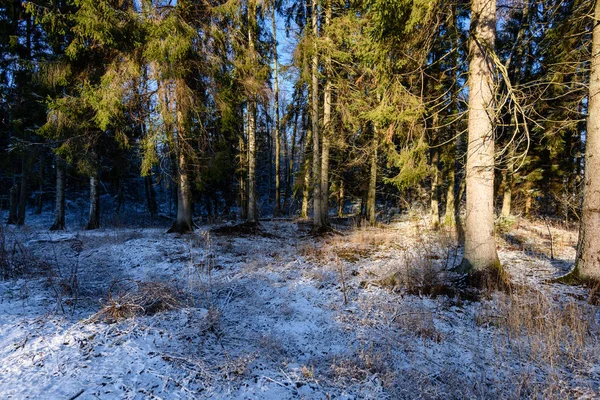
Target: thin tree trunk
[(316, 165), (341, 199), (372, 191), (587, 263), (480, 254), (307, 174), (435, 177), (277, 122), (40, 198), (290, 173), (243, 176), (94, 216), (507, 182), (252, 217), (450, 215), (59, 211)]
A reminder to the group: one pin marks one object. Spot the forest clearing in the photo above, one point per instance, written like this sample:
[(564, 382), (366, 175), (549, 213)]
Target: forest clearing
[(280, 315)]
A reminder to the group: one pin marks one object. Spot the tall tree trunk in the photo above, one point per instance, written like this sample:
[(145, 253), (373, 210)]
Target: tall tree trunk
[(252, 217), (290, 172), (587, 263), (480, 256), (183, 223), (327, 131), (59, 211), (372, 191), (277, 122), (316, 165), (94, 217)]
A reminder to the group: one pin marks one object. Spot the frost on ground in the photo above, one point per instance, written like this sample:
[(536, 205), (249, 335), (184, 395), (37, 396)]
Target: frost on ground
[(136, 313)]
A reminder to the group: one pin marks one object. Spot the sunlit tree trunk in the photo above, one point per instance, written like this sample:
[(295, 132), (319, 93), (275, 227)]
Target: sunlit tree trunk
[(372, 191), (587, 264), (480, 245), (59, 211), (252, 217), (316, 154), (277, 133), (327, 131), (341, 199), (307, 174)]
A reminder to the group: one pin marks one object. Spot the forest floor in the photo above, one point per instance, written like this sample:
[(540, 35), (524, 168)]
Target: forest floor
[(137, 313)]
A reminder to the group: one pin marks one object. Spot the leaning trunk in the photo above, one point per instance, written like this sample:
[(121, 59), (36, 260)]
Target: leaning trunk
[(480, 254)]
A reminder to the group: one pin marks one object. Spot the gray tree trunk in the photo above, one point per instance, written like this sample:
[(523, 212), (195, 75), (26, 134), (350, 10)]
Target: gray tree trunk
[(183, 223), (587, 264), (59, 211), (94, 216), (480, 245)]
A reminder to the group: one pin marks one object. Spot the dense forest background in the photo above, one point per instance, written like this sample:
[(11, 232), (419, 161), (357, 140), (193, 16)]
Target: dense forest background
[(184, 108)]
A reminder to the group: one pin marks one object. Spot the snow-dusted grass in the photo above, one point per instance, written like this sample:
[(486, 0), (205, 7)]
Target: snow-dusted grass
[(136, 313)]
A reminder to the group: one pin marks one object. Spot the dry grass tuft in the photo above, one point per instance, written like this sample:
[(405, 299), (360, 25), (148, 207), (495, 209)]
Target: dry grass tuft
[(133, 298), (558, 332), (363, 365)]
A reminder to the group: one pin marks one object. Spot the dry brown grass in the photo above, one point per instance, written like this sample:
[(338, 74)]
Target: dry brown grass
[(127, 299), (365, 363), (556, 332)]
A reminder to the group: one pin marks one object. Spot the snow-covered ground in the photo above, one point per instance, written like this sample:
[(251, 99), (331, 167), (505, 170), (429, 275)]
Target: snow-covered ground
[(283, 315)]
